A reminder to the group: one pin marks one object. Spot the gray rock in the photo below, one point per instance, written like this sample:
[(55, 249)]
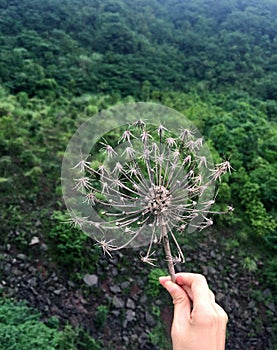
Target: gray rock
[(213, 254), (32, 281), (130, 315), (246, 314), (21, 257), (143, 338), (116, 313), (158, 302), (130, 304), (219, 297), (34, 291), (211, 270), (16, 271), (115, 289), (143, 299), (149, 319), (267, 293), (54, 277), (91, 280), (134, 337), (251, 304), (114, 271), (114, 261), (234, 291), (271, 306), (71, 284), (44, 247), (58, 291), (32, 269), (125, 285), (202, 258), (125, 340), (118, 302)]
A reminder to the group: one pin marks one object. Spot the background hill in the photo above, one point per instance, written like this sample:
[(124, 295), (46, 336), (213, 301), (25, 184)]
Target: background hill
[(116, 46)]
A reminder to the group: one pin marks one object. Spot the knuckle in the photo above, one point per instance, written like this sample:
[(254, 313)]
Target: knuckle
[(224, 317), (179, 299), (212, 295), (211, 319), (205, 317)]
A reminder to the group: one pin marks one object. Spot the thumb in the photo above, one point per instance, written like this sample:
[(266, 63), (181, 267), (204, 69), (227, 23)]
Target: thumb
[(181, 301)]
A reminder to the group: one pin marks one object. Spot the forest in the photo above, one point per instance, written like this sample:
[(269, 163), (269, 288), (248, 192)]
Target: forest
[(62, 62)]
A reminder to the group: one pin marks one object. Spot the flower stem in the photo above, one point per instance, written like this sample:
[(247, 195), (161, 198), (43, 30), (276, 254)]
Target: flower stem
[(168, 254)]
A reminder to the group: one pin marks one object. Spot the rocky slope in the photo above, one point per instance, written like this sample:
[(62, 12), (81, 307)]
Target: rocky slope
[(135, 318)]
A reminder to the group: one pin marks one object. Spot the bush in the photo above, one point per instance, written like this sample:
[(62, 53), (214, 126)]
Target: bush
[(77, 339), (153, 287), (70, 247), (102, 312), (20, 328)]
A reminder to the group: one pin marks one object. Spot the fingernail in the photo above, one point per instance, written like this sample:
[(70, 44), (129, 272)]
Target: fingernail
[(162, 279)]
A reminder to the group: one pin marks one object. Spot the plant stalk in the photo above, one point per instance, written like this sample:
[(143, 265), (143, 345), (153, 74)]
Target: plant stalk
[(168, 254)]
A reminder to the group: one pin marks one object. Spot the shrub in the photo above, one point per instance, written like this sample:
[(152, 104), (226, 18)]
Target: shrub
[(153, 287), (69, 246), (77, 339), (20, 328), (102, 312)]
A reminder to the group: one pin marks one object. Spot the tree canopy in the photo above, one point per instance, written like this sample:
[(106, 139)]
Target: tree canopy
[(78, 46)]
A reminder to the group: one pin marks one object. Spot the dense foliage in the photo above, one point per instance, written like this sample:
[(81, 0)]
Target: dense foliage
[(76, 46), (21, 328), (62, 61)]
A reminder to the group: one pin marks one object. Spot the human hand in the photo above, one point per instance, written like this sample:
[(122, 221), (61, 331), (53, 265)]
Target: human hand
[(199, 323)]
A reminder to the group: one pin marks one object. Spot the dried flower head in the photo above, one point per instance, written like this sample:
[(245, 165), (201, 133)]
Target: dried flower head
[(152, 185)]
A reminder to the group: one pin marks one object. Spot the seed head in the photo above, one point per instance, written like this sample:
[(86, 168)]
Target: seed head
[(153, 185)]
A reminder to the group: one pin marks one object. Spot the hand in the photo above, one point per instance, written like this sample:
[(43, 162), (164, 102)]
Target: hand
[(199, 323)]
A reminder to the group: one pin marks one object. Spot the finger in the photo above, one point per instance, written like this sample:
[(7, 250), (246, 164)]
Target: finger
[(213, 302), (177, 293), (199, 289), (181, 301), (163, 279), (185, 288), (222, 315)]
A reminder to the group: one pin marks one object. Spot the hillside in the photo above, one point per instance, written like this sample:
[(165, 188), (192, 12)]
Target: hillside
[(77, 46)]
